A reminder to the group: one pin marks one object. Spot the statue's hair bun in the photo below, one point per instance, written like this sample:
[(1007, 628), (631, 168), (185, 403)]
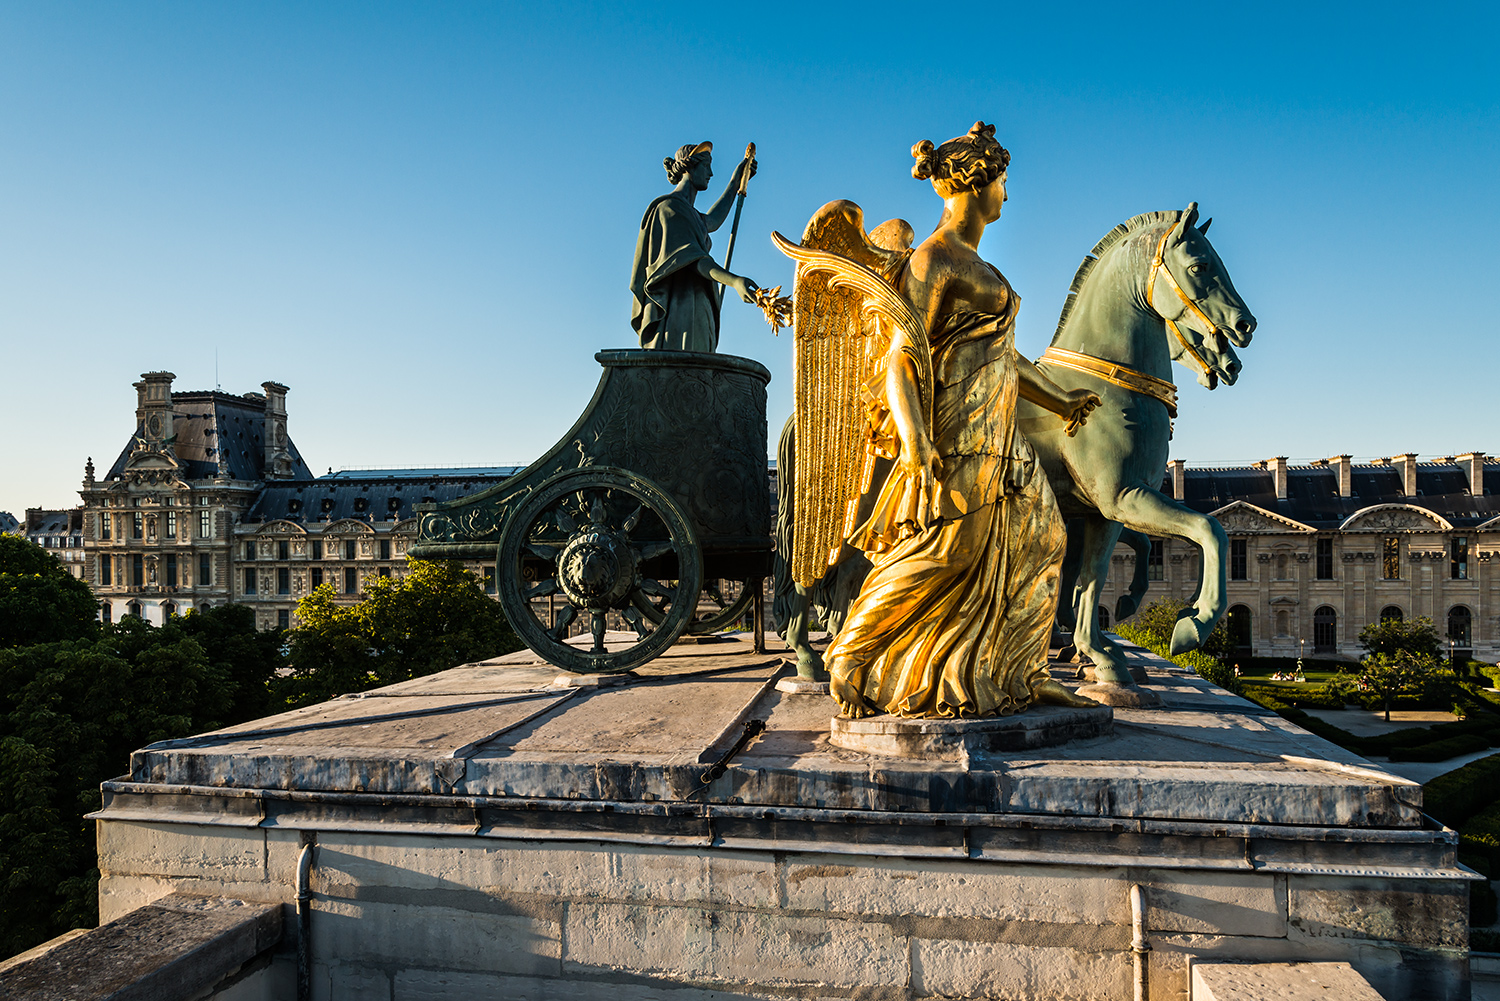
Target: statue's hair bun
[(968, 162), (927, 165)]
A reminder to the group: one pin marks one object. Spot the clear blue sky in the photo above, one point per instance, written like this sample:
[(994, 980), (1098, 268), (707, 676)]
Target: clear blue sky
[(420, 217)]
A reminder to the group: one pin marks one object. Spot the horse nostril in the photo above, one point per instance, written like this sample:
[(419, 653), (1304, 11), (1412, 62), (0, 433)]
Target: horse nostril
[(1244, 326)]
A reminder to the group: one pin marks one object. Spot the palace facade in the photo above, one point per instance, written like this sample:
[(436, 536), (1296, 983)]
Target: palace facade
[(1319, 551)]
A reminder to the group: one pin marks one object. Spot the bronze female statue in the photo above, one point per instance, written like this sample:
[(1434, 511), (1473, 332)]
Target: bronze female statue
[(674, 279), (964, 533)]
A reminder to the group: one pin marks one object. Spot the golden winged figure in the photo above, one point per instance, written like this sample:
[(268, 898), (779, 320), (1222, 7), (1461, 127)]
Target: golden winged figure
[(909, 355)]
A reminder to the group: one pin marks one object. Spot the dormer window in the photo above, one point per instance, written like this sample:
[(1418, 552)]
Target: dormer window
[(360, 503), (327, 505)]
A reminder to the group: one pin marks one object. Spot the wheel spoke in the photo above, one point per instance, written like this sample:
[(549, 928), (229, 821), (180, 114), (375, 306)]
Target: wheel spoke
[(559, 630), (714, 594), (655, 587), (596, 626), (540, 551), (634, 519), (546, 587), (633, 616), (649, 550)]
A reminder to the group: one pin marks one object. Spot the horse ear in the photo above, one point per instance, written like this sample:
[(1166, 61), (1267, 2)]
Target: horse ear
[(1204, 228), (1179, 232)]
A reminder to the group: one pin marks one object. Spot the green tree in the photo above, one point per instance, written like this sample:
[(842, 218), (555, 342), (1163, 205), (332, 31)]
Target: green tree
[(39, 600), (1387, 675), (435, 617), (71, 712), (1391, 637)]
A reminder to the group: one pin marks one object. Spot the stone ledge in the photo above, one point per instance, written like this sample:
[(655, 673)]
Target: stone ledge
[(957, 739), (176, 948), (1280, 982)]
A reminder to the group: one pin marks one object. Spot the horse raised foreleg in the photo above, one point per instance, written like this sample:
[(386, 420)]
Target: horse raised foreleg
[(809, 661), (1130, 602), (1098, 544), (1147, 510)]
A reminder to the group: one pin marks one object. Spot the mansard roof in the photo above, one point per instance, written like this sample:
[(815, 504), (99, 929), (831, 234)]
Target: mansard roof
[(207, 424), (367, 495), (1313, 497)]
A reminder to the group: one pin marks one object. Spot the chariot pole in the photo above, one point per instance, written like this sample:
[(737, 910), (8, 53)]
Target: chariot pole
[(739, 204)]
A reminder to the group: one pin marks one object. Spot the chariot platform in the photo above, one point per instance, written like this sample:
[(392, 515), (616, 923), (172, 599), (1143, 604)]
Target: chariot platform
[(503, 830)]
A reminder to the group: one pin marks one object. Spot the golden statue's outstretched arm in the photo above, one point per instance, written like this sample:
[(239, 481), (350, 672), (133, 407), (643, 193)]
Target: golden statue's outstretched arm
[(1072, 405)]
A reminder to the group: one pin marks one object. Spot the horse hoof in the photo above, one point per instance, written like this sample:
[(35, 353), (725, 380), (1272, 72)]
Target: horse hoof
[(1125, 607), (1189, 634), (1067, 653), (810, 666)]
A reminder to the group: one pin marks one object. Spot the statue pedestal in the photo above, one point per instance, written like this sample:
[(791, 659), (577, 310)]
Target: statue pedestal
[(482, 833), (958, 739)]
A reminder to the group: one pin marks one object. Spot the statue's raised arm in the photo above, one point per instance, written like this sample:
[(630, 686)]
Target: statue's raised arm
[(674, 280)]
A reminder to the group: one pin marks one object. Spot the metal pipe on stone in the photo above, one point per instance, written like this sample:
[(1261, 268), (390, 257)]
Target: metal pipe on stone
[(304, 918), (1140, 948)]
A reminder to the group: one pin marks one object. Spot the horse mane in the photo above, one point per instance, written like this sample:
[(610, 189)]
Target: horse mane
[(1110, 239)]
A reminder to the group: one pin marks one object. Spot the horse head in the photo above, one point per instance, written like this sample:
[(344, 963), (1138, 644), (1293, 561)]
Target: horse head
[(1190, 289)]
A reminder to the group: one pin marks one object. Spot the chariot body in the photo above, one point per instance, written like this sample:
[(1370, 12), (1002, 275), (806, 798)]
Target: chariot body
[(655, 495)]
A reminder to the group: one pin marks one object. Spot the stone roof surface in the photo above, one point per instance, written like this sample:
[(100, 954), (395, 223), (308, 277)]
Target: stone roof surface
[(379, 496), (208, 423)]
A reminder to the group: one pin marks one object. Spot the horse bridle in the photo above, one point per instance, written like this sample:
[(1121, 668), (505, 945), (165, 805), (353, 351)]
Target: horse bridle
[(1159, 266)]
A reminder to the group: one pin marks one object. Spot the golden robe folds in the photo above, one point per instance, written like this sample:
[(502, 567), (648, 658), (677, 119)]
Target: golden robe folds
[(954, 620)]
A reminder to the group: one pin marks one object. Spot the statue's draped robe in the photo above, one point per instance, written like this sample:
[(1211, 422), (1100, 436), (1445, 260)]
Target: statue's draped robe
[(676, 308), (955, 618)]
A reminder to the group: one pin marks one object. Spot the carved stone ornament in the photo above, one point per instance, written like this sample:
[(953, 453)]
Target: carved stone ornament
[(1242, 518), (1303, 557), (1394, 518), (1263, 557)]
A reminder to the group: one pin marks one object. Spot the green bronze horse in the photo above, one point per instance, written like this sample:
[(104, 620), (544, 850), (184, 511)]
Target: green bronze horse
[(1151, 292)]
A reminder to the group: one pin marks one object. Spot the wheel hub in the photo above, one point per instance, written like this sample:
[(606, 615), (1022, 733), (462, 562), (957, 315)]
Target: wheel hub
[(596, 569)]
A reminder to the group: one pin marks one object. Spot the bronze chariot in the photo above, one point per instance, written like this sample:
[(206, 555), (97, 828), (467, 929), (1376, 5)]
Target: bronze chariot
[(655, 495)]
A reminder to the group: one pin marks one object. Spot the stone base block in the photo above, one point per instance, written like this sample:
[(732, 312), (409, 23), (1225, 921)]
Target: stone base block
[(1280, 982), (1124, 696), (802, 686), (956, 739)]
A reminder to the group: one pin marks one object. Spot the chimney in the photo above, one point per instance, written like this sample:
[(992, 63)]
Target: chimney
[(1473, 466), (153, 409), (278, 456), (1178, 469), (1343, 468), (1407, 464), (1277, 466)]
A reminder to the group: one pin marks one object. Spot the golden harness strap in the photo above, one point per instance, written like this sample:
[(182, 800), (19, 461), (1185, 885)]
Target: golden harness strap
[(1159, 266), (1119, 375)]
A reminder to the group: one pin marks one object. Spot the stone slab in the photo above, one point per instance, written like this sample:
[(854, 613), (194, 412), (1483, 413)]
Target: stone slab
[(177, 947), (1280, 982), (958, 739)]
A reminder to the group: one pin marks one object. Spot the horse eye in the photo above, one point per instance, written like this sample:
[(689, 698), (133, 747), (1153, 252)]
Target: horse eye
[(1198, 270)]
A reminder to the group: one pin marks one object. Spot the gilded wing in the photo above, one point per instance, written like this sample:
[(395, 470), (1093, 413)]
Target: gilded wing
[(846, 309)]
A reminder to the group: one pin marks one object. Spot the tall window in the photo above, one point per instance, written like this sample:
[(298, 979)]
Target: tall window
[(205, 523), (385, 549), (1391, 613), (167, 611), (283, 550), (1458, 558), (351, 581), (317, 576), (283, 619), (317, 549), (171, 569), (384, 571), (349, 550), (106, 572), (138, 571), (1460, 621), (1390, 559), (1239, 627), (104, 526), (1103, 617), (1238, 570), (205, 570), (1325, 559), (283, 580), (105, 613), (171, 524), (1325, 630), (249, 551), (1154, 568), (489, 581), (137, 525), (250, 581), (1281, 562)]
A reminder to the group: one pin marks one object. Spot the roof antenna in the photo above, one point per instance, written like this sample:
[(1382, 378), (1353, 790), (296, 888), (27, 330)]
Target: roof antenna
[(217, 387)]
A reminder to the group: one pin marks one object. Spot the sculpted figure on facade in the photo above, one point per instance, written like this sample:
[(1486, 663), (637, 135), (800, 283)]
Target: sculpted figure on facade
[(907, 380), (674, 280)]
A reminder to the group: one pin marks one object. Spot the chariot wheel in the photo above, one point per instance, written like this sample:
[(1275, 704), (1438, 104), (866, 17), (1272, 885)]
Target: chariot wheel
[(726, 615), (599, 540)]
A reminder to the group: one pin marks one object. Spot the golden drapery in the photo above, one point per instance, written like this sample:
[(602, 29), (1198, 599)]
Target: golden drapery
[(954, 620)]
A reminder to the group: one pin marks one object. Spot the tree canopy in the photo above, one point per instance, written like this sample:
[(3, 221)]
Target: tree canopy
[(435, 617), (40, 601), (1390, 637)]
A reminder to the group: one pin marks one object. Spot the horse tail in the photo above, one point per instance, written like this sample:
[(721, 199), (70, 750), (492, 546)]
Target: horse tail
[(786, 489)]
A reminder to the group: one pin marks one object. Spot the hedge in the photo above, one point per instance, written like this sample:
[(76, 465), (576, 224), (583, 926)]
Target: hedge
[(1442, 750), (1456, 796)]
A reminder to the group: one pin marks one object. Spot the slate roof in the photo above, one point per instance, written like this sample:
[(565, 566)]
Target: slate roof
[(43, 522), (370, 494), (1313, 494), (207, 422), (8, 522)]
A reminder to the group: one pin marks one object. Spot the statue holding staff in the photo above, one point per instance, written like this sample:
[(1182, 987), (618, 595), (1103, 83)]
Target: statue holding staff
[(674, 280)]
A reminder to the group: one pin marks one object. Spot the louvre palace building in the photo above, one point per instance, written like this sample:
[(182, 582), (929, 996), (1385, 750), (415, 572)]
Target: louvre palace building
[(1319, 551)]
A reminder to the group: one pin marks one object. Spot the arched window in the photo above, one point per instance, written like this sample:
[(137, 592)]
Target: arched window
[(1282, 620), (105, 612), (1239, 627), (1103, 617), (1325, 630), (1460, 622), (167, 611), (1391, 613), (134, 608)]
